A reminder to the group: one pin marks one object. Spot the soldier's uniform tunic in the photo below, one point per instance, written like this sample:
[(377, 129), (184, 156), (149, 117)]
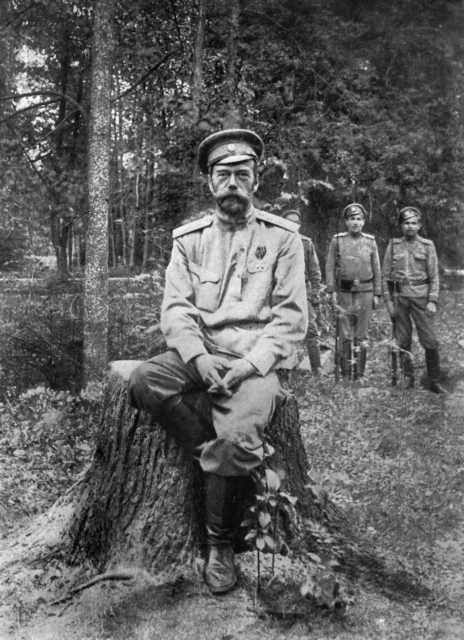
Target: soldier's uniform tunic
[(236, 291), (357, 258), (412, 265), (313, 287)]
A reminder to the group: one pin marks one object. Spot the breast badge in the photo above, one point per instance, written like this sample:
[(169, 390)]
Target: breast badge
[(260, 253)]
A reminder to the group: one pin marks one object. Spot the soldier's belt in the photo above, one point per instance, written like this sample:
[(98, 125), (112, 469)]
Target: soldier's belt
[(349, 285), (396, 286)]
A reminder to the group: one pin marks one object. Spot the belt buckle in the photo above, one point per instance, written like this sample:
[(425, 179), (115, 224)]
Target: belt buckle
[(356, 283)]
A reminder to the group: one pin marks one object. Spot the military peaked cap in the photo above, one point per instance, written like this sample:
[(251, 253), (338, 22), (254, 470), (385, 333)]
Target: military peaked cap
[(354, 209), (229, 146), (406, 213)]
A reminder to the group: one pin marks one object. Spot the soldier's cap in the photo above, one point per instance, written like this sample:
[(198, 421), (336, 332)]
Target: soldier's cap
[(228, 147), (406, 213), (291, 212), (354, 209)]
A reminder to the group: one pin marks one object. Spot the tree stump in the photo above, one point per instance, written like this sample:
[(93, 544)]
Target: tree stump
[(142, 499)]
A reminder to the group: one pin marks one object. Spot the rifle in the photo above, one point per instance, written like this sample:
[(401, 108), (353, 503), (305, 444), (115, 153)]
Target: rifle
[(394, 355), (394, 351), (354, 356), (337, 314)]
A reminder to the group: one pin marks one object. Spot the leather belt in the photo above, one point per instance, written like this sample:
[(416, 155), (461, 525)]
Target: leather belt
[(398, 285), (347, 285)]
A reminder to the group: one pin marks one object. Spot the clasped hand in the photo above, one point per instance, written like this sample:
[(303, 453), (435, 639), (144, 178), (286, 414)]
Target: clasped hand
[(220, 374)]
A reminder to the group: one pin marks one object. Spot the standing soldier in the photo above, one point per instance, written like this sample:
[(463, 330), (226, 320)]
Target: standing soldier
[(354, 282), (313, 287), (410, 287)]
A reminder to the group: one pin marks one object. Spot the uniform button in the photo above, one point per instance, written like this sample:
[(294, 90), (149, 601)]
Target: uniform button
[(241, 250)]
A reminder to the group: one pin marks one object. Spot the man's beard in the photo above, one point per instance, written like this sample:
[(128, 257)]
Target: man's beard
[(233, 205)]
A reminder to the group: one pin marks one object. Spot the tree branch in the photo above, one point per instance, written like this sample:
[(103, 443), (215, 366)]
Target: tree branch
[(58, 127), (267, 17), (145, 75), (176, 22), (31, 162), (56, 94), (29, 108), (18, 15)]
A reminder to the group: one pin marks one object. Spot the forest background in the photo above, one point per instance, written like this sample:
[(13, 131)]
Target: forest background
[(356, 100)]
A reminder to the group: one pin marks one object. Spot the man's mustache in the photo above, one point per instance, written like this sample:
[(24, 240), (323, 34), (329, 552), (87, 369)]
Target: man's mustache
[(233, 196)]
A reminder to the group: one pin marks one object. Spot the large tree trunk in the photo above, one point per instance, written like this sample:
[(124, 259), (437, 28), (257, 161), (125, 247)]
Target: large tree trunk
[(233, 117), (197, 63), (96, 248)]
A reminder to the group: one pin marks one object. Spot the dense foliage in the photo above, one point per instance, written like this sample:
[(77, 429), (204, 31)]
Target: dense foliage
[(358, 99)]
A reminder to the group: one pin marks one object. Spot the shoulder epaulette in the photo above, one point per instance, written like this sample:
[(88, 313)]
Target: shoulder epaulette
[(368, 235), (277, 220), (397, 240), (424, 240), (342, 234), (195, 225)]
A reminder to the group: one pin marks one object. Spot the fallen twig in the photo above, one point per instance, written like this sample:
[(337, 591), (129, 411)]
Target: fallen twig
[(100, 578)]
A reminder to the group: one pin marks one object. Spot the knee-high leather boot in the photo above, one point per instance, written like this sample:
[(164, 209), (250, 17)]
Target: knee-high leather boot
[(223, 515), (360, 366), (407, 368), (432, 360), (183, 424), (345, 359)]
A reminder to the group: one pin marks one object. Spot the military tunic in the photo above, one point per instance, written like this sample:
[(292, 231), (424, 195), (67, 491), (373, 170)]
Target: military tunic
[(313, 286), (353, 270), (236, 291), (412, 268)]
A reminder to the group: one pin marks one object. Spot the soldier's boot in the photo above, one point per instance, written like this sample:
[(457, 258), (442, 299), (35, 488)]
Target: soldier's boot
[(360, 366), (345, 359), (432, 360), (223, 514), (407, 369), (184, 426), (314, 354)]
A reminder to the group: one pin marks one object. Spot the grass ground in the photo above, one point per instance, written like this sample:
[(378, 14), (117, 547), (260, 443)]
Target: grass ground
[(393, 459)]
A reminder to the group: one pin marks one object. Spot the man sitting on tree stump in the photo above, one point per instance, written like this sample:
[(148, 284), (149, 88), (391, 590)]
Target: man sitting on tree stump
[(233, 313)]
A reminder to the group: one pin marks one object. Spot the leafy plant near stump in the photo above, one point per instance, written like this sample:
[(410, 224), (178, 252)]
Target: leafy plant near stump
[(262, 517), (317, 580)]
